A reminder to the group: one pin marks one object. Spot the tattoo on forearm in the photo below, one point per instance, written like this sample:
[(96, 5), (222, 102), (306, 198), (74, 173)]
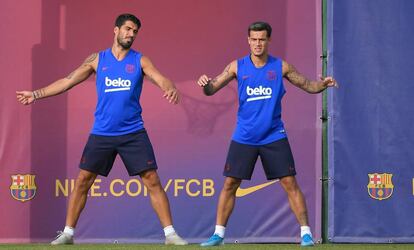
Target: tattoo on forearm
[(37, 94), (70, 75), (306, 84), (226, 70), (297, 79), (150, 78), (223, 78), (224, 74), (208, 89)]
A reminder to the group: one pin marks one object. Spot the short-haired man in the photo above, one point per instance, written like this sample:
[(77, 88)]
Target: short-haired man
[(260, 130), (119, 77)]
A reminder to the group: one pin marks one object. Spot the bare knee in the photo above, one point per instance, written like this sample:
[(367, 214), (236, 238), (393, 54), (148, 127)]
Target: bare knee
[(84, 181), (151, 180), (231, 185), (289, 184)]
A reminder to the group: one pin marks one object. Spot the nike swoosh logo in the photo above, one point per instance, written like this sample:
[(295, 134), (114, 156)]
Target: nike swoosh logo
[(245, 191)]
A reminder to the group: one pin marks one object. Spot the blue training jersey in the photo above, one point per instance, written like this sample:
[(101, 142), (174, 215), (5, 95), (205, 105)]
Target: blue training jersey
[(118, 86), (260, 94)]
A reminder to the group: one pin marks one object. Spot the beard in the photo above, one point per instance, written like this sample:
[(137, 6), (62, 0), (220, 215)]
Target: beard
[(125, 44)]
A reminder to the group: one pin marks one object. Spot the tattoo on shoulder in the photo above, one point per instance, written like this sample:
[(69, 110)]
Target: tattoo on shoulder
[(88, 60), (91, 58)]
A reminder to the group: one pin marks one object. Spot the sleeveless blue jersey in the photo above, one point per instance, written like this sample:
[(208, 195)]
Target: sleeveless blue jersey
[(118, 86), (260, 95)]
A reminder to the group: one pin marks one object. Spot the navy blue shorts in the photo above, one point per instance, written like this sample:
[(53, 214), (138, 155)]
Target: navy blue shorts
[(276, 157), (135, 150)]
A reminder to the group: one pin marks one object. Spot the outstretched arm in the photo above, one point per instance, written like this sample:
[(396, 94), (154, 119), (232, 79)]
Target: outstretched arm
[(77, 76), (170, 91), (300, 81), (211, 86)]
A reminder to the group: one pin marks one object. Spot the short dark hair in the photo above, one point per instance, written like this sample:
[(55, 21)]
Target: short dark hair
[(259, 26), (121, 19)]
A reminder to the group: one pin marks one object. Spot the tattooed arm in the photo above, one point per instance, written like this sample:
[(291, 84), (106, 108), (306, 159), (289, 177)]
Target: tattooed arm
[(170, 91), (77, 76), (300, 81), (211, 86)]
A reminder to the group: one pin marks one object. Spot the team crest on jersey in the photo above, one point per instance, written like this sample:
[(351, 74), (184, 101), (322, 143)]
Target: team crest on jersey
[(130, 68), (380, 186), (23, 187), (271, 75)]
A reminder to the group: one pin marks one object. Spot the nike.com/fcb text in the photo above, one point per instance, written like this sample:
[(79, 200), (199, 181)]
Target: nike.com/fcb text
[(135, 188)]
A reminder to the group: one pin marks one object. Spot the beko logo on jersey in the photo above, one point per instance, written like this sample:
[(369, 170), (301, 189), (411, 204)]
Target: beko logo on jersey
[(258, 93), (117, 84)]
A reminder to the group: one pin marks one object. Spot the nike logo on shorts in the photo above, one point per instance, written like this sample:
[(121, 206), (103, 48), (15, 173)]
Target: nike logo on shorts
[(246, 191)]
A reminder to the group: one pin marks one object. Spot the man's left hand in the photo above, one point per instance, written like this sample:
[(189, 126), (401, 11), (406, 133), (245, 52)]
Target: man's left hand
[(329, 81), (172, 95)]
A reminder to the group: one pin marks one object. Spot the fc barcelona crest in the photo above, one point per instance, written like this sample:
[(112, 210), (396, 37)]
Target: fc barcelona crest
[(271, 75), (130, 68), (380, 186), (23, 187)]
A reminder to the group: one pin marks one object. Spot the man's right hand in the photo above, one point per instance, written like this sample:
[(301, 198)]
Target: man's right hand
[(57, 87), (211, 86), (203, 81), (25, 97)]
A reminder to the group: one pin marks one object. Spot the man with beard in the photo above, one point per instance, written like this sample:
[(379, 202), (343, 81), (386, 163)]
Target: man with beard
[(119, 77)]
